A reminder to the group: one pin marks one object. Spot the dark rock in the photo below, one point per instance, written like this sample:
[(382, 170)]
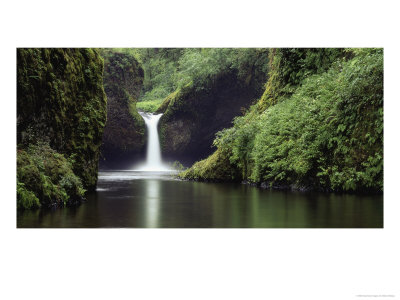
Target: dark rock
[(124, 134), (194, 115)]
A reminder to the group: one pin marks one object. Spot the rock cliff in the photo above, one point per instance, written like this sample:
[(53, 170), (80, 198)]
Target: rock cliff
[(124, 134), (61, 112)]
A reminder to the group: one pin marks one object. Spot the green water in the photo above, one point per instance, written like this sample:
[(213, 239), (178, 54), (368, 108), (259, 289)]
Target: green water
[(157, 200)]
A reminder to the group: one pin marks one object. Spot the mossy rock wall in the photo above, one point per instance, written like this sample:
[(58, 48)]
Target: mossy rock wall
[(195, 114), (61, 101), (124, 134), (215, 168)]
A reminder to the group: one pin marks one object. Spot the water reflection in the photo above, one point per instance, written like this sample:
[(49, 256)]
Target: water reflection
[(152, 203), (137, 199)]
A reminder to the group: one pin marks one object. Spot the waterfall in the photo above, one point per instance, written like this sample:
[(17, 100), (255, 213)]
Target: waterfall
[(153, 156)]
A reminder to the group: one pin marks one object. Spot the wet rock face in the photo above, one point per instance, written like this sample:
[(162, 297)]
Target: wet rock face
[(194, 116), (124, 134), (61, 101), (181, 131)]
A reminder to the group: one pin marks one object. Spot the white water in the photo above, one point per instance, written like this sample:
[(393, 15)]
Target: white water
[(153, 157)]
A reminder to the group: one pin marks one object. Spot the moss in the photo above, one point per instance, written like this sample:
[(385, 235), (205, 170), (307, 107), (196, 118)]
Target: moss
[(273, 85), (46, 178), (165, 103), (176, 123), (177, 101), (216, 167), (61, 100)]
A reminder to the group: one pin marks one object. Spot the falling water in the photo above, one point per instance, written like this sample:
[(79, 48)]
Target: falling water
[(153, 158)]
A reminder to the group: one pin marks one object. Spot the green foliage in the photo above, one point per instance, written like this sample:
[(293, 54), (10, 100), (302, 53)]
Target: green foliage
[(357, 128), (135, 52), (216, 167), (26, 199), (239, 140), (45, 177), (290, 66), (165, 103), (149, 106), (167, 70), (160, 67), (203, 66), (327, 135), (71, 184)]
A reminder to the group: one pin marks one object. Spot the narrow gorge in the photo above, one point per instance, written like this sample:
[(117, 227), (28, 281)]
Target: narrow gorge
[(200, 137)]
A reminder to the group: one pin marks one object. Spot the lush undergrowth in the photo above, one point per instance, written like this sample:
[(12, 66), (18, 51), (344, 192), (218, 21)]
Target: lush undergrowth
[(46, 178), (150, 105), (326, 133)]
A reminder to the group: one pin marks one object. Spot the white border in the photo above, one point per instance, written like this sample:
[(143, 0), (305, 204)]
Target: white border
[(198, 264)]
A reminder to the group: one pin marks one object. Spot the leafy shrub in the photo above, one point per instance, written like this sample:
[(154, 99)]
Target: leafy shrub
[(45, 177), (26, 199)]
